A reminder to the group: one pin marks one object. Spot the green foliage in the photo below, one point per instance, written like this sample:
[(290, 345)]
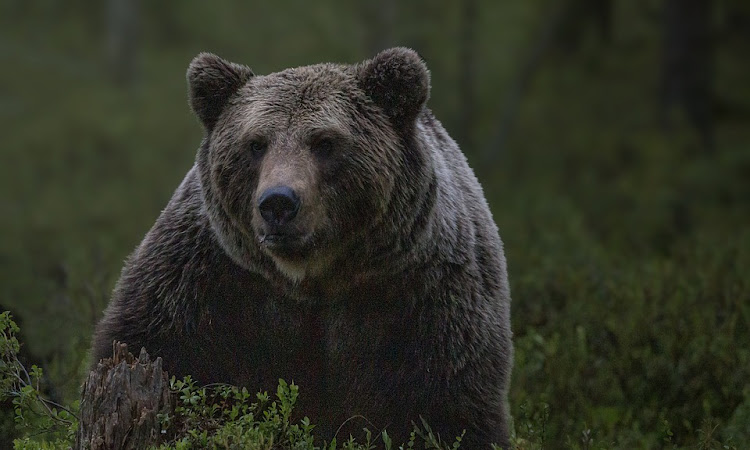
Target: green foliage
[(34, 412), (227, 417), (223, 416)]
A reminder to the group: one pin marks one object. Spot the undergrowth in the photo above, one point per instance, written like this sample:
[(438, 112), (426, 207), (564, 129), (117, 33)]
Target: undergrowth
[(213, 417), (229, 417)]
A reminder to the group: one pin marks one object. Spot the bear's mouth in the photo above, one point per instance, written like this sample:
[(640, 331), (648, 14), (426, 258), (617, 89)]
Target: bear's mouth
[(286, 245)]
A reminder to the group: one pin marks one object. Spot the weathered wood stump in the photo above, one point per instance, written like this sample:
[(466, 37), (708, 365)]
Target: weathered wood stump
[(121, 400)]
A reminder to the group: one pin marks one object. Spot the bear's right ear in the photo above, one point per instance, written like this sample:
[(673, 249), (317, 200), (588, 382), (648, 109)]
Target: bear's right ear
[(211, 81)]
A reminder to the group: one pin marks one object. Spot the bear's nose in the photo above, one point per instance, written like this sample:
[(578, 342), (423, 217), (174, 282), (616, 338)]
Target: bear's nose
[(278, 205)]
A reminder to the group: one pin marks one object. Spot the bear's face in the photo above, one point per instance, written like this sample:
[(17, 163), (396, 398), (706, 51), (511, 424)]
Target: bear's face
[(298, 165)]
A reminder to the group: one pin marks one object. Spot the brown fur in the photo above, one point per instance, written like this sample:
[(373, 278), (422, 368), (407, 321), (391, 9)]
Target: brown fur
[(392, 303)]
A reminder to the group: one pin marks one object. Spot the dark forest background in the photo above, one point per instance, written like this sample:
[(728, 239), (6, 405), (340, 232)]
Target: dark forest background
[(612, 138)]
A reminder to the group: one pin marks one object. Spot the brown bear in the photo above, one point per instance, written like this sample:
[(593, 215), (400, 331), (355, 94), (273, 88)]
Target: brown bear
[(333, 234)]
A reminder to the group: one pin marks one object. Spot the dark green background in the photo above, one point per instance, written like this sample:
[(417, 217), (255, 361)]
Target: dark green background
[(612, 138)]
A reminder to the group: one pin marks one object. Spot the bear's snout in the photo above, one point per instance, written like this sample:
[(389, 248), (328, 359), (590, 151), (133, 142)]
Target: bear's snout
[(278, 205)]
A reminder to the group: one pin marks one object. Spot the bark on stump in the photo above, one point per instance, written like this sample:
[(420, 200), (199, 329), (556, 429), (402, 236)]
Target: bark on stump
[(120, 402)]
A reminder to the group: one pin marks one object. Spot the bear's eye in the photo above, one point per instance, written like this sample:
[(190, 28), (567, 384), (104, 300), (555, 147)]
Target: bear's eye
[(323, 147), (257, 148)]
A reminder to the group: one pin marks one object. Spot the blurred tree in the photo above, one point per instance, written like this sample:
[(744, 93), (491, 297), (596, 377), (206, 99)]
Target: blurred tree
[(581, 16), (379, 20), (467, 74), (543, 40), (122, 42), (687, 65)]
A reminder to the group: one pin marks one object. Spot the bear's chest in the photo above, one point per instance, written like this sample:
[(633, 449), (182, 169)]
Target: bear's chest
[(271, 338), (347, 355)]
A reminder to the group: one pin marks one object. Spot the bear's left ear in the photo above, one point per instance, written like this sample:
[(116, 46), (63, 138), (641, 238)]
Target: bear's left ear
[(211, 81), (398, 81)]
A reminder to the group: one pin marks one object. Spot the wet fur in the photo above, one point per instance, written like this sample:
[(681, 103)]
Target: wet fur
[(400, 304)]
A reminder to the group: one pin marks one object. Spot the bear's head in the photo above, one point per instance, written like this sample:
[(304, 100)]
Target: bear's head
[(303, 166)]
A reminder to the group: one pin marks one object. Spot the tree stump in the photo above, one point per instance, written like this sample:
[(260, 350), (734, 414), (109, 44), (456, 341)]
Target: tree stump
[(121, 399)]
